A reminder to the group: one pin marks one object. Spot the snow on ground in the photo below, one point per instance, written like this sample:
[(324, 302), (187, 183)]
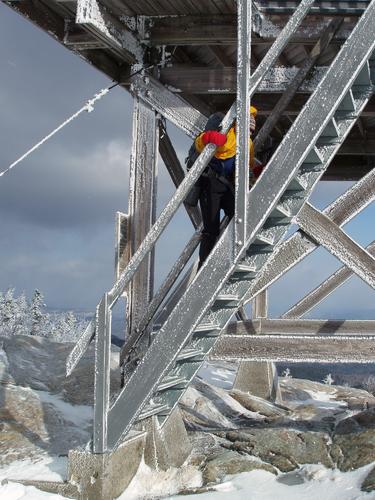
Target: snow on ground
[(16, 491), (80, 415), (221, 374), (47, 469), (309, 483)]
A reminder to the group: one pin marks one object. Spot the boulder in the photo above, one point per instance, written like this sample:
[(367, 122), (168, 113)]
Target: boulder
[(369, 482), (231, 462), (354, 441), (283, 448)]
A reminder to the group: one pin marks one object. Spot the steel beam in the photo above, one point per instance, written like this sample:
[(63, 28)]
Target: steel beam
[(298, 246), (171, 161), (243, 121), (122, 246), (328, 234), (102, 376), (322, 291), (301, 327), (142, 207), (295, 349), (293, 87), (172, 107)]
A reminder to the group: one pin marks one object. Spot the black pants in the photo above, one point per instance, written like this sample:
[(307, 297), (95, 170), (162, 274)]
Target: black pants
[(215, 196)]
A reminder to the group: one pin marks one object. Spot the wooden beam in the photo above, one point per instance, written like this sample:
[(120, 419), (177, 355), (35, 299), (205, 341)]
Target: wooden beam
[(294, 349), (110, 30), (222, 30), (205, 80)]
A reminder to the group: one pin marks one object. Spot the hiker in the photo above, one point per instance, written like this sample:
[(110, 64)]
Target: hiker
[(216, 184)]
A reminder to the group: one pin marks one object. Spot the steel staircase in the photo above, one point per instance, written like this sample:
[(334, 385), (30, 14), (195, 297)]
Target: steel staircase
[(211, 299)]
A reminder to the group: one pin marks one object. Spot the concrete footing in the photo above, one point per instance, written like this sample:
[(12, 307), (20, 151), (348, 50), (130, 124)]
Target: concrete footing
[(105, 476), (259, 378), (167, 445)]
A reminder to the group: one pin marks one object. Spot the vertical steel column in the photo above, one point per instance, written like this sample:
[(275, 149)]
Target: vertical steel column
[(102, 375), (142, 207), (243, 118)]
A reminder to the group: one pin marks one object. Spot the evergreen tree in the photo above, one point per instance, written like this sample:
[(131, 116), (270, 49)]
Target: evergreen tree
[(38, 316)]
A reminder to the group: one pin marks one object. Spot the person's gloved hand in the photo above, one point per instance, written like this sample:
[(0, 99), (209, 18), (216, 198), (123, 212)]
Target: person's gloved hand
[(257, 170), (213, 137)]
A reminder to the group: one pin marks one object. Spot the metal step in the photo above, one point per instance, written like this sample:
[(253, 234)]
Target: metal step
[(153, 409), (172, 381), (190, 353)]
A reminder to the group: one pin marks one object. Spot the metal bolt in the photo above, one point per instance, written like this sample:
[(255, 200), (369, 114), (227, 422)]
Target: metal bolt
[(238, 221)]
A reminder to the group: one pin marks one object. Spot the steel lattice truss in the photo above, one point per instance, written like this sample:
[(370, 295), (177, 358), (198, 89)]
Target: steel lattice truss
[(320, 111)]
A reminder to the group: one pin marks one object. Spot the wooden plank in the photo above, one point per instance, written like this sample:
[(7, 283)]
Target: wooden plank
[(204, 80), (221, 30), (294, 349)]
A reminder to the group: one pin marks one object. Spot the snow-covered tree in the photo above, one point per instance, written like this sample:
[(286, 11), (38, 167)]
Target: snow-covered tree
[(38, 316), (18, 316), (328, 379), (286, 373)]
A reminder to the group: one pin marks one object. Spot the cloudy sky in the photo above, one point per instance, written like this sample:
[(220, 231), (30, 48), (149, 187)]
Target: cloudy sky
[(58, 206)]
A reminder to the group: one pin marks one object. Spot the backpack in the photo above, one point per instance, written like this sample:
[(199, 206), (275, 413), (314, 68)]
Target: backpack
[(213, 123)]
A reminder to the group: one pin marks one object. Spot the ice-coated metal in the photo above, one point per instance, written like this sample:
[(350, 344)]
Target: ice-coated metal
[(328, 234), (243, 119), (165, 287), (302, 327), (322, 291), (189, 119), (298, 246), (171, 106), (80, 348), (102, 375), (341, 7), (142, 208), (177, 173), (294, 349), (303, 71), (109, 29), (122, 243)]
